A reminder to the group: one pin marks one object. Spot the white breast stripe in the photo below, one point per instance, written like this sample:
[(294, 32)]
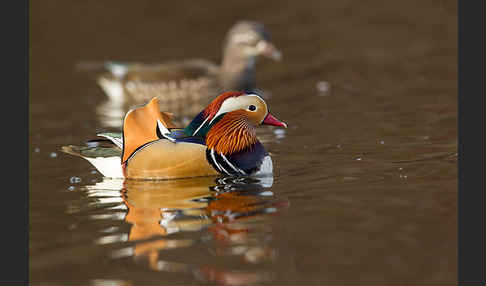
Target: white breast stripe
[(232, 166), (214, 160), (216, 163)]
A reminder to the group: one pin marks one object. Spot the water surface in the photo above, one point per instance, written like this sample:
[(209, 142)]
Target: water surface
[(365, 183)]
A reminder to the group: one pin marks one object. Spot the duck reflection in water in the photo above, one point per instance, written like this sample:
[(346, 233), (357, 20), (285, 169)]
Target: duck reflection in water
[(227, 212)]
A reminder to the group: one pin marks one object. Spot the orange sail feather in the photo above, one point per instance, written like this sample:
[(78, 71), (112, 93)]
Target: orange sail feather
[(140, 126)]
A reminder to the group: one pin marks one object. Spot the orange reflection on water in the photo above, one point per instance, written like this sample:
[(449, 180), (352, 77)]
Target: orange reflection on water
[(227, 210)]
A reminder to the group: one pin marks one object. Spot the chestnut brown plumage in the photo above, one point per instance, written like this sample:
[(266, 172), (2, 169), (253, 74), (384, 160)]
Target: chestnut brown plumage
[(232, 133)]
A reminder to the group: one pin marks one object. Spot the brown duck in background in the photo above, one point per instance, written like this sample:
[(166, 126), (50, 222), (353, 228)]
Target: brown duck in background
[(184, 87)]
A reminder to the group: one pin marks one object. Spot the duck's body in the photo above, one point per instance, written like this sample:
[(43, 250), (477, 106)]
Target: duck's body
[(177, 85), (220, 140), (192, 82)]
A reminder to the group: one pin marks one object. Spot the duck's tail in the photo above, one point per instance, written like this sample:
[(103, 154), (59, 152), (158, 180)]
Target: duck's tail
[(141, 125), (105, 159)]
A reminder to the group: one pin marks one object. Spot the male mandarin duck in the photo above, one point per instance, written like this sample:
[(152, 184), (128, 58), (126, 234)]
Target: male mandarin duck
[(192, 80), (221, 139)]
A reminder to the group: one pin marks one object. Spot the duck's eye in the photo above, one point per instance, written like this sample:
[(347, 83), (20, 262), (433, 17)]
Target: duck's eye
[(252, 107)]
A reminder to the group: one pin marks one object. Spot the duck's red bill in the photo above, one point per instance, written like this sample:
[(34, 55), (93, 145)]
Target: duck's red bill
[(271, 120)]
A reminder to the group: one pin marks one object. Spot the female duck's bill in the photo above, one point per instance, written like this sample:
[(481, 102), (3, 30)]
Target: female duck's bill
[(221, 139)]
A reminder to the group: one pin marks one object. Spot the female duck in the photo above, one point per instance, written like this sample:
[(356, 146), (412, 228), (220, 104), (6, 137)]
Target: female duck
[(192, 80), (221, 139)]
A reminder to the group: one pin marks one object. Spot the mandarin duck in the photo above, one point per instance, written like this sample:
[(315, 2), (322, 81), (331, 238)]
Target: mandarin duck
[(221, 139), (179, 84)]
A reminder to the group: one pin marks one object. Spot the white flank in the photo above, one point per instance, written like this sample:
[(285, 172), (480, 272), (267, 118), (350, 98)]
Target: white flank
[(108, 166), (112, 88), (266, 168)]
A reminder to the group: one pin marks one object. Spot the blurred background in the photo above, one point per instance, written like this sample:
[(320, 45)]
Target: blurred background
[(365, 185)]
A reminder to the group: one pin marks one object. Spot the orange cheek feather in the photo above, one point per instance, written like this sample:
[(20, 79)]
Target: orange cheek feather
[(231, 134)]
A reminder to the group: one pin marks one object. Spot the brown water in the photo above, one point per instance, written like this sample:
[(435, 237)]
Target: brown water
[(365, 184)]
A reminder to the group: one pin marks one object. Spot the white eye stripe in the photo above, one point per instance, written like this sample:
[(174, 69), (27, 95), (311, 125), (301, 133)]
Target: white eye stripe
[(236, 103), (228, 105), (253, 94), (264, 103), (245, 37)]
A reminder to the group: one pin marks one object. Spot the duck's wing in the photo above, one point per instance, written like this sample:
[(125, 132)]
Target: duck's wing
[(179, 135), (115, 138), (190, 81), (92, 151), (170, 71), (174, 135), (159, 73)]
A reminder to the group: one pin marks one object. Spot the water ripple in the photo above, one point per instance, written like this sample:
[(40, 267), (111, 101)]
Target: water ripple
[(221, 217)]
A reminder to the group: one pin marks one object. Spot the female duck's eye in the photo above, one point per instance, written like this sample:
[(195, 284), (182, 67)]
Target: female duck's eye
[(252, 107)]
